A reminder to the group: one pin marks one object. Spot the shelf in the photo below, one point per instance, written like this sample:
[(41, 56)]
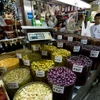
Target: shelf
[(22, 37)]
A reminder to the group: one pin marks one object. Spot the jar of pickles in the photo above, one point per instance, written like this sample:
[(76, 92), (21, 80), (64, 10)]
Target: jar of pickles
[(47, 51), (16, 78), (34, 91), (8, 64), (40, 68), (81, 66), (59, 57)]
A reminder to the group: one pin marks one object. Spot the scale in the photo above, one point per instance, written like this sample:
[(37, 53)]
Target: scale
[(36, 36)]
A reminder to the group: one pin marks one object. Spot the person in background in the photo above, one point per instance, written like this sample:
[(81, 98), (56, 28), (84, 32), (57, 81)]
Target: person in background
[(95, 29)]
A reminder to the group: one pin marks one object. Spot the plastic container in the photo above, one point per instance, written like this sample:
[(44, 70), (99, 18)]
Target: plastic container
[(29, 57), (16, 78), (81, 66), (47, 51), (34, 91), (59, 57), (8, 64), (74, 47), (93, 52), (62, 81), (40, 68)]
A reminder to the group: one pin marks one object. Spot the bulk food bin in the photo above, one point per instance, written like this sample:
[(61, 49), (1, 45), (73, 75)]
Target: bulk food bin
[(81, 66), (47, 50), (59, 57), (16, 78), (62, 81), (34, 91), (93, 52), (8, 64), (39, 69)]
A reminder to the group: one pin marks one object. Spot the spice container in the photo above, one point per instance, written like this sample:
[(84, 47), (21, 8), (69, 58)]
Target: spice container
[(81, 66), (62, 81), (59, 56), (16, 78), (47, 51), (8, 64), (40, 68), (34, 91), (29, 57), (74, 47)]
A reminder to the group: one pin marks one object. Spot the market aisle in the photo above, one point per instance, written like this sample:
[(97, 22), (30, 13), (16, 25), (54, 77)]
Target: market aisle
[(94, 94)]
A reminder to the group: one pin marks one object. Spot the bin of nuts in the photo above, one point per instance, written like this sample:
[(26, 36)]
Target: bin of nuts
[(62, 81), (14, 79), (29, 57), (34, 91), (47, 51), (40, 68), (81, 66), (59, 57), (8, 64)]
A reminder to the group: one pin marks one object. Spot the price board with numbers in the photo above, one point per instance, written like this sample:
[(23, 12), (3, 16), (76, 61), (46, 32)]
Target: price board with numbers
[(76, 48), (13, 85), (58, 59), (40, 73), (27, 62), (94, 54)]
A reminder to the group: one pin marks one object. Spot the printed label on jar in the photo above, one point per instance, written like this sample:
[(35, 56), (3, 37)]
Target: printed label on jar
[(60, 44), (94, 54), (44, 53), (84, 41), (40, 73), (70, 38), (58, 89), (19, 56), (59, 37), (3, 70), (58, 59), (76, 48), (27, 62), (13, 85), (35, 48), (77, 68)]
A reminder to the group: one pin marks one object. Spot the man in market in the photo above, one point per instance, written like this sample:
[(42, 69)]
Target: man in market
[(95, 29)]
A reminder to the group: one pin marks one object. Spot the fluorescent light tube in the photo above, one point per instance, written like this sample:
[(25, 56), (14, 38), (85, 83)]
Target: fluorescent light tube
[(78, 3)]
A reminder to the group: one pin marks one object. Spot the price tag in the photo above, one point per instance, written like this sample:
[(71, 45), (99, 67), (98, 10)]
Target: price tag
[(84, 41), (77, 68), (58, 59), (76, 48), (58, 89), (94, 54), (44, 53), (70, 38), (19, 56), (50, 43), (40, 73), (27, 62), (59, 37), (3, 70), (13, 85), (60, 44), (35, 48)]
